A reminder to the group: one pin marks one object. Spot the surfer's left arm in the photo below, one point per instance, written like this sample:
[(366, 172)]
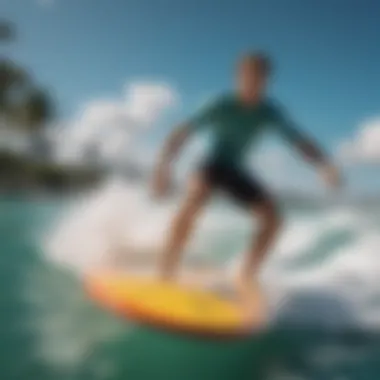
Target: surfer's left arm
[(309, 149)]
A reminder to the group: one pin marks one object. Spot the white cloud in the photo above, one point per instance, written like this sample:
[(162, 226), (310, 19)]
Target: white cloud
[(364, 147), (108, 126), (146, 101)]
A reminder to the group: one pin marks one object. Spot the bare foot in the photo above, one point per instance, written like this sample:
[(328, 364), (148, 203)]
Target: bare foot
[(253, 305), (253, 316)]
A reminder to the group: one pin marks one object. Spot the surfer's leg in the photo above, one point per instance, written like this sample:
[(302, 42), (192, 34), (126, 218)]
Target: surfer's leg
[(247, 283), (182, 225), (269, 222), (254, 198)]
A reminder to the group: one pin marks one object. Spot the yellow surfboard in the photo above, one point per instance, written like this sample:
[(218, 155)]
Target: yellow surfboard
[(165, 305)]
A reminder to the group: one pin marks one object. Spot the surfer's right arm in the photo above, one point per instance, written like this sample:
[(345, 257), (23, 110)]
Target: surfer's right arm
[(177, 139), (170, 150)]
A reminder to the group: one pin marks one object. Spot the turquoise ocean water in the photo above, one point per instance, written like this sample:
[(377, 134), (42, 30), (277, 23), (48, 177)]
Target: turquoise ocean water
[(322, 280)]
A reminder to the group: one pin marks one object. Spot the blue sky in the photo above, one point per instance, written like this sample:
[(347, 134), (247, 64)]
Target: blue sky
[(327, 53)]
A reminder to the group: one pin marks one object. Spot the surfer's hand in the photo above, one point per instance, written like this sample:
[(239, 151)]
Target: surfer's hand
[(331, 176), (161, 181)]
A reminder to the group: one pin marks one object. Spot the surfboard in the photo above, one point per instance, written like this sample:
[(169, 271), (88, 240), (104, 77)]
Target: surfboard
[(165, 305)]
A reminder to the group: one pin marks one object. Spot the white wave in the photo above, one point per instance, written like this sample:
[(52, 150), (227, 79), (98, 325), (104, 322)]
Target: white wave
[(344, 286), (119, 220)]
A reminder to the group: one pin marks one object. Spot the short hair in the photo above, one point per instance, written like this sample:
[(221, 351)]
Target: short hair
[(258, 59)]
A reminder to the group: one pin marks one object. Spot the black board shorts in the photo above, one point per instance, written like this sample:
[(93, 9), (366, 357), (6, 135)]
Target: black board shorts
[(244, 189)]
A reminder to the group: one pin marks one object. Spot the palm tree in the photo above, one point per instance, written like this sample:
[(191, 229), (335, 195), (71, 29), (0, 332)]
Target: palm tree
[(13, 81), (7, 31), (24, 106)]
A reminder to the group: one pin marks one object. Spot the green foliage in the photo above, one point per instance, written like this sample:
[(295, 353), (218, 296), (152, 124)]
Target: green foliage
[(26, 174), (7, 31), (23, 104), (27, 108)]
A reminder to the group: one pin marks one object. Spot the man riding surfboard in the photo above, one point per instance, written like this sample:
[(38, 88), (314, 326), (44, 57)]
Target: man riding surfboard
[(236, 120)]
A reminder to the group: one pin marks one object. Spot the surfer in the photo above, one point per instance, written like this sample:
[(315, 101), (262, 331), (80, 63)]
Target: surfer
[(236, 120)]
